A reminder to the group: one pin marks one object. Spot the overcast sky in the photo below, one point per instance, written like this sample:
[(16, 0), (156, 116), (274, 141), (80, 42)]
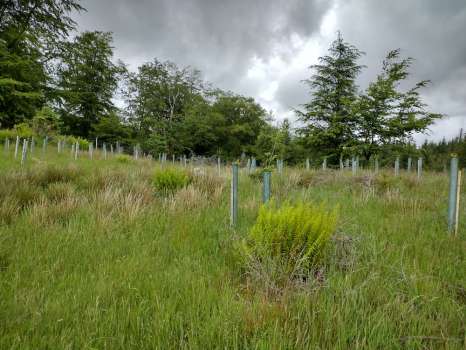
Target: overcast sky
[(263, 48)]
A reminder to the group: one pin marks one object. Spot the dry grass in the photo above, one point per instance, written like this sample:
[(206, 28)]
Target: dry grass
[(187, 198)]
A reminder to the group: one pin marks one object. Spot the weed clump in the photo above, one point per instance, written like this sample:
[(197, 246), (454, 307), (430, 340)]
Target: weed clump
[(169, 180), (306, 179), (292, 236), (384, 183), (258, 175)]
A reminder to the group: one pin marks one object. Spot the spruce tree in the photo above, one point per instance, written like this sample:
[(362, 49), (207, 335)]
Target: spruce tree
[(329, 121)]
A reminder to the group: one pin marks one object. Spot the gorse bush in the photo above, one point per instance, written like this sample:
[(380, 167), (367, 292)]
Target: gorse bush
[(293, 236), (168, 180)]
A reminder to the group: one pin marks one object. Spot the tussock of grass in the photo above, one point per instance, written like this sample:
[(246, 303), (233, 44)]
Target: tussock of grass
[(9, 210)]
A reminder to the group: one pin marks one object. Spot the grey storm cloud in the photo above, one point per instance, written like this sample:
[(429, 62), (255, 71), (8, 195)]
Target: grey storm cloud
[(221, 38), (430, 31), (218, 37)]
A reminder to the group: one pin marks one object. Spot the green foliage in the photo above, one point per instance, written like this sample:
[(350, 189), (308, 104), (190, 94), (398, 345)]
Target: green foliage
[(22, 79), (87, 80), (387, 115), (157, 96), (45, 122), (294, 235), (171, 109), (339, 122), (123, 158), (437, 154), (111, 129), (46, 19), (29, 33), (243, 119), (257, 175), (173, 112), (328, 117), (83, 144), (7, 133), (23, 130), (168, 180)]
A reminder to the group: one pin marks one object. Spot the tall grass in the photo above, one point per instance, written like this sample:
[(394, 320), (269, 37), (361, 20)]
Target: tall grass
[(92, 258)]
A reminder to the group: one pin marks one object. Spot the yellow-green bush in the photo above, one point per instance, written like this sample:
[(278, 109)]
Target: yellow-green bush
[(22, 130), (168, 180), (123, 158), (83, 144), (7, 134), (291, 235)]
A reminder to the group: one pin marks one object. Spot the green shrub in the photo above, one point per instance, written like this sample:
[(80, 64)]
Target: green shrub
[(169, 180), (123, 158), (23, 130), (7, 134), (292, 235), (71, 140)]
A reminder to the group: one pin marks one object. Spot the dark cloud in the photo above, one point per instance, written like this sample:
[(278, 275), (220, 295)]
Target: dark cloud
[(218, 37), (225, 39), (430, 31)]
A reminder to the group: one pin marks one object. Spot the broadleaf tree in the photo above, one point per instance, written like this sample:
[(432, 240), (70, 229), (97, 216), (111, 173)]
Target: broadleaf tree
[(387, 115), (156, 97)]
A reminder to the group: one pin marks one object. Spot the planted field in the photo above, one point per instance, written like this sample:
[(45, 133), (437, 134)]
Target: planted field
[(95, 255)]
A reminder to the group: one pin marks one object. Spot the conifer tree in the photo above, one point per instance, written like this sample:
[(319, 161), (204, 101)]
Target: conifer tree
[(328, 118)]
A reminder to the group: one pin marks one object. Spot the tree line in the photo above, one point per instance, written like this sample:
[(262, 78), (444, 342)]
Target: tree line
[(55, 84)]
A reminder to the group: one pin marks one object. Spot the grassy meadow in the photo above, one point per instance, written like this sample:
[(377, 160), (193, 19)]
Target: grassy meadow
[(92, 257)]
